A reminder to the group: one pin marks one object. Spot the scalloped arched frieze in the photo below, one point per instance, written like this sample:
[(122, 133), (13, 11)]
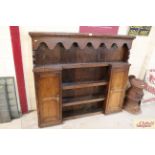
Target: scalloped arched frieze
[(114, 46), (126, 52), (60, 44), (89, 44), (61, 49), (102, 45), (82, 43), (42, 46), (75, 44), (125, 45)]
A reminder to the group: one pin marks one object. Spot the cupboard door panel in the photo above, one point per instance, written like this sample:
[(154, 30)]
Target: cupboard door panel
[(49, 98), (119, 79), (115, 101), (49, 110)]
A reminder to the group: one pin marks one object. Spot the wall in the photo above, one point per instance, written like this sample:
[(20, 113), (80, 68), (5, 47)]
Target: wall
[(149, 62), (142, 46), (6, 56), (141, 51), (151, 59)]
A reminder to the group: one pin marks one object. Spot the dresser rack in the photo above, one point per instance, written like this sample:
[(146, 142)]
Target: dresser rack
[(77, 74)]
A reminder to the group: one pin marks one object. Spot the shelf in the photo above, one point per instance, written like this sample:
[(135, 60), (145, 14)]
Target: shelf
[(53, 67), (67, 116), (59, 67), (82, 100), (77, 85), (84, 65)]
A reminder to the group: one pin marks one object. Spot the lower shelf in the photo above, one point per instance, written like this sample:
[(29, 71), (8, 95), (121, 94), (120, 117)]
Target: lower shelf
[(82, 111), (99, 111), (82, 100)]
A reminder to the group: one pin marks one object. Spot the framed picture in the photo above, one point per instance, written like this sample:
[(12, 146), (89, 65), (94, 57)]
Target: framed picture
[(139, 30)]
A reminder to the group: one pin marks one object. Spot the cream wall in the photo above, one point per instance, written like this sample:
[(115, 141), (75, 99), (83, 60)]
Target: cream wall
[(142, 46), (6, 56), (149, 62), (141, 52)]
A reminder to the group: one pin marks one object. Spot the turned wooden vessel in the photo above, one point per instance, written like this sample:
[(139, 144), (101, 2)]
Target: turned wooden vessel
[(134, 95)]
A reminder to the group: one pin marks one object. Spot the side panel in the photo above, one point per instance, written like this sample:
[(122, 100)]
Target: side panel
[(48, 91)]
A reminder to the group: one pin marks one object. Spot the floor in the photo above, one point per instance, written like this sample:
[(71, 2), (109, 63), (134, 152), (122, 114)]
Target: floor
[(121, 120)]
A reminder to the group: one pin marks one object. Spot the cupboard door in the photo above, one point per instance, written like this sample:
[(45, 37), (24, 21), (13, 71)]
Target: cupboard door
[(117, 86), (49, 98)]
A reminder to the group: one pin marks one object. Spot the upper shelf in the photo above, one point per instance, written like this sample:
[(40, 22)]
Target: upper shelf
[(52, 34), (56, 67), (84, 65)]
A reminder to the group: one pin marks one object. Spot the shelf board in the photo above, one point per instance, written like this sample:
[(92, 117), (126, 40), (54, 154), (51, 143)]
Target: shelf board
[(77, 85), (84, 65), (75, 116), (59, 67), (83, 100)]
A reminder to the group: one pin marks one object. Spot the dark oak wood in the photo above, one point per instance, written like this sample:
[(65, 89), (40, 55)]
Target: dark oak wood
[(117, 87), (134, 95), (83, 115), (48, 92), (84, 65), (83, 100), (80, 48), (77, 74), (77, 85)]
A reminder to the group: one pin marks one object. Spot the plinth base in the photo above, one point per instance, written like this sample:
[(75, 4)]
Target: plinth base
[(133, 108)]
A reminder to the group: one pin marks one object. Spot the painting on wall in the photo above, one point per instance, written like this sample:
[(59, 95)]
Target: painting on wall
[(149, 93), (101, 30), (139, 30)]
